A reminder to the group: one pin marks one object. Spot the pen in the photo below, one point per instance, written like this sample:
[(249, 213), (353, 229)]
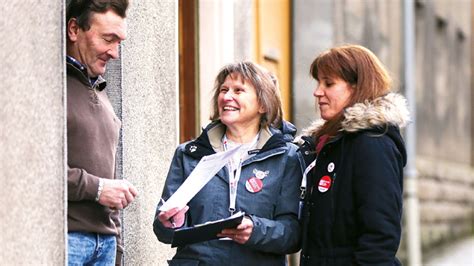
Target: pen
[(162, 201)]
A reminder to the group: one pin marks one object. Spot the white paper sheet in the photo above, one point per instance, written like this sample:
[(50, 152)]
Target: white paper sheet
[(207, 168)]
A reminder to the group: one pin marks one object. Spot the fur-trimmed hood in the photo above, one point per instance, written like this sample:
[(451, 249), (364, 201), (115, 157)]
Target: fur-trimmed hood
[(390, 109)]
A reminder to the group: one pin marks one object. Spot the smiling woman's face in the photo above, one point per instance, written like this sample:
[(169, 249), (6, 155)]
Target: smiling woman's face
[(238, 104), (332, 95)]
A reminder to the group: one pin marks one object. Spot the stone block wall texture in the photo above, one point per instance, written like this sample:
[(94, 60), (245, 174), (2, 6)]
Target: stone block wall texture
[(444, 117), (149, 121), (443, 79), (446, 193), (32, 134)]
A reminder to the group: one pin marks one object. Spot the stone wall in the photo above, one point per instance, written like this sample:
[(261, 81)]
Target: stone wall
[(444, 117), (149, 121), (142, 85), (443, 80), (446, 194), (32, 134)]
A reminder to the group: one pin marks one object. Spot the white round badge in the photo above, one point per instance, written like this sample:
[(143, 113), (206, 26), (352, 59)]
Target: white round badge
[(331, 167), (260, 174)]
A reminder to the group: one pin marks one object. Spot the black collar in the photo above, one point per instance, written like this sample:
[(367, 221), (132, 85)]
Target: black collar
[(202, 146)]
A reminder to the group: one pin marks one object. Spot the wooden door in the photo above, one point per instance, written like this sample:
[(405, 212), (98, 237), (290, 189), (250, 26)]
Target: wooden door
[(272, 43), (188, 88)]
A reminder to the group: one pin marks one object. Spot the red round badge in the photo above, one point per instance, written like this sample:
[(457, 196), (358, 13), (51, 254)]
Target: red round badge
[(324, 183), (254, 185)]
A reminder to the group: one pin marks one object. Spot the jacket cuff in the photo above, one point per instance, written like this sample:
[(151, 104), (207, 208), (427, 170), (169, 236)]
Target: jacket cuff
[(256, 224)]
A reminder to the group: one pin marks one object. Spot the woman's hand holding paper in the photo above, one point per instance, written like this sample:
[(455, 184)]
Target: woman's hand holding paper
[(173, 218)]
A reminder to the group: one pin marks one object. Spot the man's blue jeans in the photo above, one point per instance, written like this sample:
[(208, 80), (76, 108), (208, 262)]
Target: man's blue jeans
[(91, 249)]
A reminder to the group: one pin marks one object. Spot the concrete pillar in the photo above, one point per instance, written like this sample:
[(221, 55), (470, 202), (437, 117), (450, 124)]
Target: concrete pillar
[(32, 133), (149, 120)]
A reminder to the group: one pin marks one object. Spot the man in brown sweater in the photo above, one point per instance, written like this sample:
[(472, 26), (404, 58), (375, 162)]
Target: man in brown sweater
[(94, 30)]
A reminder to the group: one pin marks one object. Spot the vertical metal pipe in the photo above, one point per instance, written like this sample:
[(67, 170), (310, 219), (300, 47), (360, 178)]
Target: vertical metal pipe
[(411, 184)]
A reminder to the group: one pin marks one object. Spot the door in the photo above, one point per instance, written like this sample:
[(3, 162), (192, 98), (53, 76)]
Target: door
[(188, 88), (272, 44)]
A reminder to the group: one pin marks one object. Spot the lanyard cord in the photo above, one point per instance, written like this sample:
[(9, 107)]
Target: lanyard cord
[(234, 178), (304, 179)]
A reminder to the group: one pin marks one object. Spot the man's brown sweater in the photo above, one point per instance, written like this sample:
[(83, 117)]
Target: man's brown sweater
[(92, 139)]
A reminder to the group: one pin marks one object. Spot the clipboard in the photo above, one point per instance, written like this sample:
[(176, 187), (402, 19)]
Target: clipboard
[(206, 231)]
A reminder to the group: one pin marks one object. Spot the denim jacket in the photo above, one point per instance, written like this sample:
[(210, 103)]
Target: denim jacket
[(273, 209)]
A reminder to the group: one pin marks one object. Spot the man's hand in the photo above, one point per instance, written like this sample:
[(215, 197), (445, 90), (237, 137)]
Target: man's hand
[(241, 233), (117, 193), (173, 218)]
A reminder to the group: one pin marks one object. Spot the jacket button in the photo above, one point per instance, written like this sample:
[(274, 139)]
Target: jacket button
[(306, 152)]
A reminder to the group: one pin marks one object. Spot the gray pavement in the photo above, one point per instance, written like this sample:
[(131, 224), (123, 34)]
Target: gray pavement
[(460, 253)]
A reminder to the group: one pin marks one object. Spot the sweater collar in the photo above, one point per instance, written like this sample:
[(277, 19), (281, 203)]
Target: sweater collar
[(95, 82)]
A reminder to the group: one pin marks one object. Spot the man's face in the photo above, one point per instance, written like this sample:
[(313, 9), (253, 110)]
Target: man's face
[(99, 44)]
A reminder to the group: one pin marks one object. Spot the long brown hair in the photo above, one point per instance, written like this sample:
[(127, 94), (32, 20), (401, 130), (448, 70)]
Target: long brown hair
[(357, 66)]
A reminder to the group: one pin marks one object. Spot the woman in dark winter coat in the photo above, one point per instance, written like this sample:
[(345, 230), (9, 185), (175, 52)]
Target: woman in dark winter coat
[(262, 181), (354, 159)]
